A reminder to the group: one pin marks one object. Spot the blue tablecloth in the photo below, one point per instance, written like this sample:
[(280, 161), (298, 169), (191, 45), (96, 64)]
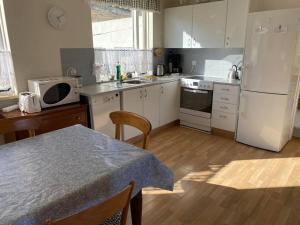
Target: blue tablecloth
[(62, 172)]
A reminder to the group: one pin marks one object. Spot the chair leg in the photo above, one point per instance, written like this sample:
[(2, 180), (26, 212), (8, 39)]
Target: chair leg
[(136, 206), (31, 133)]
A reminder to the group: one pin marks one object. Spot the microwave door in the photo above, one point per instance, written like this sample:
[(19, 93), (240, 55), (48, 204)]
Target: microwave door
[(56, 93)]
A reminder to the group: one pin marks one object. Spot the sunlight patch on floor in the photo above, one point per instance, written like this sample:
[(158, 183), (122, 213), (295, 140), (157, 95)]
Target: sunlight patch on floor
[(256, 173), (201, 176), (241, 174)]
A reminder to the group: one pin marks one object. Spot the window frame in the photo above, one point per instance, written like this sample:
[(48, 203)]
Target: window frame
[(147, 33)]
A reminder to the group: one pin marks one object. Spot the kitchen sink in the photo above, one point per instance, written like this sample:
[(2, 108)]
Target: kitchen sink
[(134, 82)]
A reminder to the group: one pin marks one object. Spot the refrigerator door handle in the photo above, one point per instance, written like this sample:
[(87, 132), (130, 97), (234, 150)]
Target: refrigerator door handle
[(243, 105), (245, 75)]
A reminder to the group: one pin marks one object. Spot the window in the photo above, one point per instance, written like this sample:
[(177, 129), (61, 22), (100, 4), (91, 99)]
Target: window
[(7, 77), (121, 36), (116, 28)]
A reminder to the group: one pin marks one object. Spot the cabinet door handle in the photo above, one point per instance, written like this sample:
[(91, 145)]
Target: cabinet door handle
[(225, 89), (224, 99), (223, 117), (223, 107), (141, 94), (162, 90), (146, 93)]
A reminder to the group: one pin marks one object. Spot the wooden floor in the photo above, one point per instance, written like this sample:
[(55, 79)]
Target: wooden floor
[(221, 182)]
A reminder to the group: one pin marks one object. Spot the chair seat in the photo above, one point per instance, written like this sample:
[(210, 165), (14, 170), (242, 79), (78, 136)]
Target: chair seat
[(115, 220)]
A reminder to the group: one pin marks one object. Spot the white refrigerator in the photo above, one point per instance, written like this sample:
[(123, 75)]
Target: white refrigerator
[(269, 96)]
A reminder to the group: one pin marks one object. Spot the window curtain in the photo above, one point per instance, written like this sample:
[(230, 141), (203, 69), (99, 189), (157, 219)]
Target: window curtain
[(140, 61), (146, 5), (7, 76)]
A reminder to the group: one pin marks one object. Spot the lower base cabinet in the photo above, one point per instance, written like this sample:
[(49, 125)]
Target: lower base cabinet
[(101, 106), (169, 103), (144, 102), (158, 103), (225, 107)]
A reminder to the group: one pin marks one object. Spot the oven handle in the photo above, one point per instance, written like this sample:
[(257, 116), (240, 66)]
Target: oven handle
[(196, 91)]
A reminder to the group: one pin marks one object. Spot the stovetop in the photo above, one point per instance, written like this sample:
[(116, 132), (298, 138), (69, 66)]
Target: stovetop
[(197, 82)]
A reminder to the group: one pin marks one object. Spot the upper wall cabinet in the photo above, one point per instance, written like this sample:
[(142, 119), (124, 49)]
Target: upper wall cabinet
[(209, 25), (236, 23), (179, 27)]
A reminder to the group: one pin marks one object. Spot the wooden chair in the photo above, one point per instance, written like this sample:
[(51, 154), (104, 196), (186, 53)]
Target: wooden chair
[(100, 213), (12, 126), (128, 118)]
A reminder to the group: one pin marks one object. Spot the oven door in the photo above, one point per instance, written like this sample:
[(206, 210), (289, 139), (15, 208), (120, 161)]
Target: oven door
[(196, 102)]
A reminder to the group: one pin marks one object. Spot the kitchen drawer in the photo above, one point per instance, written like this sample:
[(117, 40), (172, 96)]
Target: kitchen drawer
[(227, 89), (224, 121), (55, 122), (226, 98), (194, 119), (224, 107)]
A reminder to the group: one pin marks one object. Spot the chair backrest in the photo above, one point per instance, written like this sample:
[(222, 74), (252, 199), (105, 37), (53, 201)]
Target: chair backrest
[(128, 118), (12, 126), (98, 214)]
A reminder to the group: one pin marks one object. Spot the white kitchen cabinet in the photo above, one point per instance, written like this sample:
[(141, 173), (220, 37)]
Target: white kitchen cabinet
[(151, 105), (225, 107), (209, 24), (145, 102), (133, 101), (101, 106), (169, 102), (236, 23), (178, 27)]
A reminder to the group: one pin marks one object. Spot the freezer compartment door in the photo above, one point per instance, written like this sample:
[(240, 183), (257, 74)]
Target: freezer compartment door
[(262, 120), (270, 51)]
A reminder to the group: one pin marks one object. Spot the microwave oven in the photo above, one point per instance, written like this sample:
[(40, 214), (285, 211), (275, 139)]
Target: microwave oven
[(55, 91)]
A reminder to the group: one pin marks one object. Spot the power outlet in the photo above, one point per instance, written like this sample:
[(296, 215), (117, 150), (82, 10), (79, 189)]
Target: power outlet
[(194, 63)]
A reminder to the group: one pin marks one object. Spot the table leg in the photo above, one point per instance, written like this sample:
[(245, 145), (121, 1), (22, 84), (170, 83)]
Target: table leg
[(136, 206)]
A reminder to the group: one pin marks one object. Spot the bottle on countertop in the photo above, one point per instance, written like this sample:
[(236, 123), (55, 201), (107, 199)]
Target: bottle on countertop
[(118, 67)]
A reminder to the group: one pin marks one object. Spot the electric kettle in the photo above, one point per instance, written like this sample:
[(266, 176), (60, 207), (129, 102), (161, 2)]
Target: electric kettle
[(233, 73), (160, 70)]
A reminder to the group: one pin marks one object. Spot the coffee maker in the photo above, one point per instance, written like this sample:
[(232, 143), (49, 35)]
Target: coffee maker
[(174, 63)]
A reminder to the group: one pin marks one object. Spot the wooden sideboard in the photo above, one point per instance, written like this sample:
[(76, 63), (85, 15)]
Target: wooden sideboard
[(50, 119)]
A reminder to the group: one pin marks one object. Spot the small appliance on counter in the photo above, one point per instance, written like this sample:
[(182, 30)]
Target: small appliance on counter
[(29, 102), (160, 71), (234, 73), (174, 63), (55, 91)]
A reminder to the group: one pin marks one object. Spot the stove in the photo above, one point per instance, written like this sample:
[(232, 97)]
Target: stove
[(197, 82), (196, 102)]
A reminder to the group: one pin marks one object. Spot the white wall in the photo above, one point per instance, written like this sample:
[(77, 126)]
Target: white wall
[(281, 4), (35, 44)]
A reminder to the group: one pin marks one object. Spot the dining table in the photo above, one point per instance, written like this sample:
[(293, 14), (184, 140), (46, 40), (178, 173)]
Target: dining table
[(63, 172)]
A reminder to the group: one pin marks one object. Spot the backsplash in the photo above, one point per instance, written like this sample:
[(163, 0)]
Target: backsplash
[(210, 62), (97, 65), (82, 59)]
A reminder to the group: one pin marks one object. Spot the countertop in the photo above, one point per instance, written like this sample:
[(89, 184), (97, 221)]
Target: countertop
[(106, 88)]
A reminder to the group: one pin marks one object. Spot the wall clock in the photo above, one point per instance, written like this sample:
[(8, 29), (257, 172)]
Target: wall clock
[(57, 17)]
